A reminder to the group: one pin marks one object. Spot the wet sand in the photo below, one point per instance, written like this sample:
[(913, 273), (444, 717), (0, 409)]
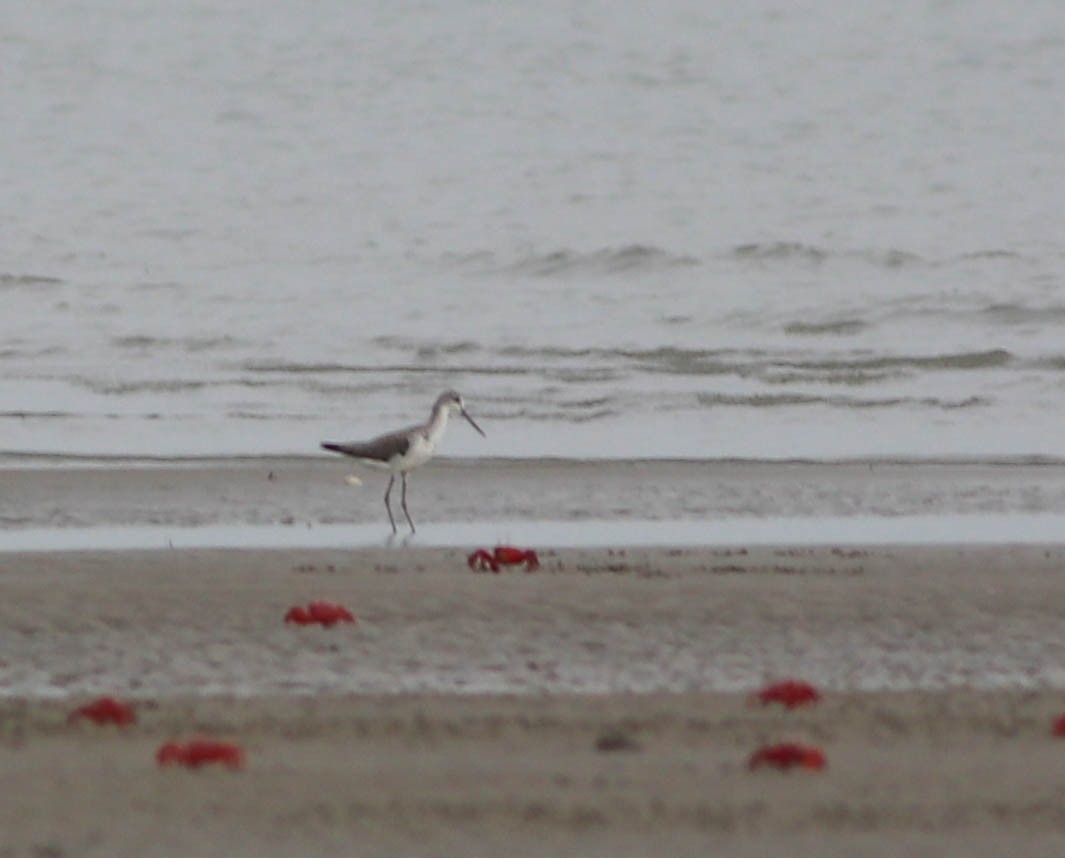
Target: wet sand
[(588, 621), (599, 706)]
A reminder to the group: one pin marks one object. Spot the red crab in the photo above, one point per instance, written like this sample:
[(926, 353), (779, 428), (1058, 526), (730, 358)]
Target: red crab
[(788, 755), (1059, 726), (200, 752), (105, 710), (324, 613), (503, 555), (790, 692)]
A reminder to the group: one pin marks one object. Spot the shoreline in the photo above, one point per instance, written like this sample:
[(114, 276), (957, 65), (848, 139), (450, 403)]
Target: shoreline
[(39, 460), (314, 492)]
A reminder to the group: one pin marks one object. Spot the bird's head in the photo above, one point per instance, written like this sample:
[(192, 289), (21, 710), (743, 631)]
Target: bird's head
[(450, 401)]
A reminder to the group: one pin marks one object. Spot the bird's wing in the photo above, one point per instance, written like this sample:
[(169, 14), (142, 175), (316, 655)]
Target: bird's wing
[(381, 449)]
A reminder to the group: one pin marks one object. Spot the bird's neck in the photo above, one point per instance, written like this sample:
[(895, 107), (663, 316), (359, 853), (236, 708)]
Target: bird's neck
[(437, 425)]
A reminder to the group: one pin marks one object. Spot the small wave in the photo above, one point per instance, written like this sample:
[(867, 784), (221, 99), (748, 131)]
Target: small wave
[(961, 360), (296, 368), (769, 400), (134, 342), (460, 348), (780, 250), (142, 342), (552, 352), (147, 386), (1018, 314), (891, 258), (840, 327), (759, 400), (7, 279), (37, 415), (1052, 362), (584, 375), (841, 378), (19, 350), (992, 253), (599, 402), (685, 361), (620, 260), (426, 350), (795, 251), (863, 371), (859, 368), (672, 355), (244, 414), (553, 416)]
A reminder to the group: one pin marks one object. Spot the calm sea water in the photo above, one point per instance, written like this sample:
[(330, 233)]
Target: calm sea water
[(812, 228)]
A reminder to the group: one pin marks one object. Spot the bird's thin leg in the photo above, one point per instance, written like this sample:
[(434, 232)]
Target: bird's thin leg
[(388, 507), (403, 497)]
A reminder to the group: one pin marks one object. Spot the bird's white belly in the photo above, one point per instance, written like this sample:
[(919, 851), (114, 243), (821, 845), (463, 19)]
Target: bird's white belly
[(419, 452)]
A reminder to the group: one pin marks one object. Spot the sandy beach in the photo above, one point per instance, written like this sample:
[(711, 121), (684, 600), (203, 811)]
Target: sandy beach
[(917, 774), (599, 706)]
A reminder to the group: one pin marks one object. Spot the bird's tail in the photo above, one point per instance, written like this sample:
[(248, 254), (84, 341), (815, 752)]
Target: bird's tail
[(355, 449)]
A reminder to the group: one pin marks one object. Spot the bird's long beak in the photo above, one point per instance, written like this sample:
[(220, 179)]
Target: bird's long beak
[(466, 414)]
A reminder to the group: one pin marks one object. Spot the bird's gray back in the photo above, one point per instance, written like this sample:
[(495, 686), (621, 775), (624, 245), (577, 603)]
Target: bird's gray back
[(382, 449)]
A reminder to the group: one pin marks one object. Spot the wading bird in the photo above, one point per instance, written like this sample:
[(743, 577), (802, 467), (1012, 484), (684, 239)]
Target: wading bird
[(403, 451)]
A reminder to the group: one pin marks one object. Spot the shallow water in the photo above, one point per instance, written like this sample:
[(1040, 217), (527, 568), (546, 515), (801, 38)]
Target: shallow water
[(307, 502), (857, 530), (771, 230)]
